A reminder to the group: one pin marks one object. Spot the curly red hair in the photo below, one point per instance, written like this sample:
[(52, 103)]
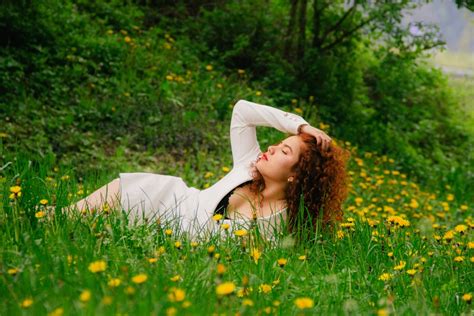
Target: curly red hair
[(320, 185)]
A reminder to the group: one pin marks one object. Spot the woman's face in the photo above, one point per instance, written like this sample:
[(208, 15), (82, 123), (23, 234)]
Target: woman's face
[(276, 163)]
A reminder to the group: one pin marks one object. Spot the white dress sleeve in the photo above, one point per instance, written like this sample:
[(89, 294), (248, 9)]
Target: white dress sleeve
[(246, 116)]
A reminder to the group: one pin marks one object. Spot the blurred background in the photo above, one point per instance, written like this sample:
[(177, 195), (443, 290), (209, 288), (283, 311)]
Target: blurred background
[(99, 87)]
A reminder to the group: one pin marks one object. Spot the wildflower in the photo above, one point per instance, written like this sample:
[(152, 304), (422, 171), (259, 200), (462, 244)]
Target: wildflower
[(168, 232), (467, 298), (258, 93), (40, 214), (463, 207), (194, 244), (220, 269), (85, 296), (400, 266), (460, 228), (217, 217), (97, 266), (139, 278), (298, 110), (340, 234), (177, 245), (225, 169), (470, 245), (107, 300), (247, 302), (15, 192), (209, 67), (171, 311), (175, 278), (398, 220), (127, 39), (225, 288), (240, 232), (414, 203), (411, 271), (225, 226), (57, 312), (208, 174), (43, 202), (390, 254), (240, 71), (255, 254), (304, 302), (459, 259), (449, 235), (114, 282), (27, 302), (152, 260), (186, 304), (358, 200), (450, 197), (211, 249), (282, 262), (169, 78), (385, 276), (176, 295), (302, 258), (265, 288)]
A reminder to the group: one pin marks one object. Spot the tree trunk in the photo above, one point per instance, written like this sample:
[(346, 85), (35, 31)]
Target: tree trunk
[(289, 32), (302, 30)]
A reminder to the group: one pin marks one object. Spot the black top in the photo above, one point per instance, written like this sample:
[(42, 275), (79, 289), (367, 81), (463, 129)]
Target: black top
[(222, 206)]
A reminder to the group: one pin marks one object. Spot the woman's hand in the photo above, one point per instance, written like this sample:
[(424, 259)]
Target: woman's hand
[(321, 137)]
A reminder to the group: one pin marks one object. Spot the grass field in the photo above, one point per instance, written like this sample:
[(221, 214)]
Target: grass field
[(399, 251)]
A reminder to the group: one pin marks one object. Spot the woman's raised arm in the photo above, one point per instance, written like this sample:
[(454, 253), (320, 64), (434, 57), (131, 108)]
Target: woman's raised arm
[(246, 116)]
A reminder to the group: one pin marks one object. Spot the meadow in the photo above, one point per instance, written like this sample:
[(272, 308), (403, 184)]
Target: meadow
[(107, 87), (400, 250)]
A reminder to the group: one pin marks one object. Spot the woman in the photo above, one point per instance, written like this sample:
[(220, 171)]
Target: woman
[(263, 188)]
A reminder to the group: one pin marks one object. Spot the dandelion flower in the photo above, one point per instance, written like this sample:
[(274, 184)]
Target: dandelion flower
[(217, 217), (467, 298), (385, 276), (400, 266), (85, 296), (411, 271), (282, 262), (114, 282), (97, 266), (27, 302), (304, 302), (176, 295), (139, 278), (175, 278), (265, 288), (240, 232), (43, 202), (40, 214), (225, 288)]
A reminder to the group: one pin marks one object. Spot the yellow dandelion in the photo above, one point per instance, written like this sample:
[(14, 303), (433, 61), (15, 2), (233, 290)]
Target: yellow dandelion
[(225, 169), (225, 226), (176, 295), (298, 110), (467, 298), (127, 39), (255, 254), (57, 312), (175, 278), (114, 282), (302, 258), (240, 232), (385, 276), (282, 262), (247, 302), (220, 268), (460, 228), (265, 288), (450, 197), (258, 93), (304, 302), (411, 271), (26, 303), (107, 300), (459, 259), (208, 175), (209, 67), (139, 278), (240, 71), (177, 245), (400, 266), (168, 232), (152, 260), (217, 217), (40, 214), (225, 288), (97, 266), (43, 201), (85, 296)]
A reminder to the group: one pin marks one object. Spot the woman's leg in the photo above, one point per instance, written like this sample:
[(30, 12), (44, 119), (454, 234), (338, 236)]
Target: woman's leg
[(106, 198)]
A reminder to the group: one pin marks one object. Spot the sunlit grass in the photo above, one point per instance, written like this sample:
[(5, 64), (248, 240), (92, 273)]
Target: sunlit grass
[(399, 250)]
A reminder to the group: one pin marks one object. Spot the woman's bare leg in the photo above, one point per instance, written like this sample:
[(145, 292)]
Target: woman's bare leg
[(107, 197)]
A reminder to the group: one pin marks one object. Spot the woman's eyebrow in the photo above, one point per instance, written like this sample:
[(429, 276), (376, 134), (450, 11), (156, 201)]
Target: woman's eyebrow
[(286, 145)]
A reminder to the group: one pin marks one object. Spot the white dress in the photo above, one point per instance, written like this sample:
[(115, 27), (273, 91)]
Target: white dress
[(149, 196)]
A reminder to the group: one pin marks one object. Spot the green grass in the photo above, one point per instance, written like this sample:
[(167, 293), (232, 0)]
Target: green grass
[(47, 260), (463, 88)]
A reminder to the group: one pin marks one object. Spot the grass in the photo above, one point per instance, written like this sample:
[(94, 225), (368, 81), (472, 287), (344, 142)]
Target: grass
[(400, 250)]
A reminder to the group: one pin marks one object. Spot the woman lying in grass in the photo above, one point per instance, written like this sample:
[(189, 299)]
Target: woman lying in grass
[(297, 181)]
